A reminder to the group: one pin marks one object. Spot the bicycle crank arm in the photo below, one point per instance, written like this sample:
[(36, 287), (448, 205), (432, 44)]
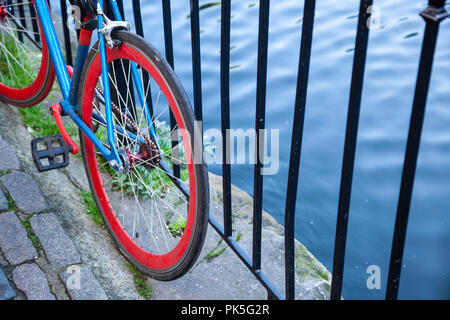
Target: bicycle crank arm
[(55, 111)]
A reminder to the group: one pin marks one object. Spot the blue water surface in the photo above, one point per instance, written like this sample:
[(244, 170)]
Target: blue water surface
[(391, 71), (392, 63)]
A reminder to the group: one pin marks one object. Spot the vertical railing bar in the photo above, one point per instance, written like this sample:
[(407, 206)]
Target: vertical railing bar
[(34, 23), (263, 37), (121, 79), (11, 9), (122, 11), (168, 43), (359, 62), (23, 21), (433, 15), (66, 34), (196, 61), (120, 76), (296, 145), (168, 39), (137, 15), (225, 114)]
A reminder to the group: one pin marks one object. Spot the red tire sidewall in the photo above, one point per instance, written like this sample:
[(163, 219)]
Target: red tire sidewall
[(35, 92)]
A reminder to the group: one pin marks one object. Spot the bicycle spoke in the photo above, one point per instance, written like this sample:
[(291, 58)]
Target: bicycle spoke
[(19, 56)]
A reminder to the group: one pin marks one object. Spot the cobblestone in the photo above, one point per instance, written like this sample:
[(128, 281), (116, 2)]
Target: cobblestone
[(24, 191), (41, 272), (6, 291), (30, 279), (14, 241), (59, 249), (82, 284), (8, 159), (3, 262), (3, 201)]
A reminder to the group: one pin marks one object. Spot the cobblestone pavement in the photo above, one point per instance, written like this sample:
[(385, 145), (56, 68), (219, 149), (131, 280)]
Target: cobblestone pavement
[(38, 260)]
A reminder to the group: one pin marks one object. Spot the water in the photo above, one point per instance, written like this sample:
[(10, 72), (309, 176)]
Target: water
[(391, 70)]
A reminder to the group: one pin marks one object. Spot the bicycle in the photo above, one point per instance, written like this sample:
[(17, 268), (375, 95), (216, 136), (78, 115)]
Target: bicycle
[(122, 95)]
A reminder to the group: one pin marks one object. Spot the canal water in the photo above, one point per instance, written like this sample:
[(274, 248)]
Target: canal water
[(392, 62)]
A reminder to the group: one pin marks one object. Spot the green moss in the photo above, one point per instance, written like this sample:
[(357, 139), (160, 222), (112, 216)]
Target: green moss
[(5, 171), (214, 253), (142, 287), (11, 204), (217, 251), (322, 274), (91, 207), (306, 266)]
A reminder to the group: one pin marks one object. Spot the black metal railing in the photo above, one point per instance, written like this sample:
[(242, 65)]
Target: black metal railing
[(433, 15)]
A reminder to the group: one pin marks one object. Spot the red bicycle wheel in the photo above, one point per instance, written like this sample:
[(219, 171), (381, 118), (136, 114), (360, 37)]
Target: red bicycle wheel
[(158, 224), (26, 73)]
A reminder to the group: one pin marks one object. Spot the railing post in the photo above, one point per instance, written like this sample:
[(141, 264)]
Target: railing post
[(23, 21), (66, 34), (225, 113), (433, 15), (34, 23), (137, 15), (119, 95), (168, 44), (261, 85), (121, 9), (296, 146), (196, 60), (359, 62)]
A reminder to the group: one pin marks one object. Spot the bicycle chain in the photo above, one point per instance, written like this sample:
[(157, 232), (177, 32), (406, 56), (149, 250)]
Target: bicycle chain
[(155, 160)]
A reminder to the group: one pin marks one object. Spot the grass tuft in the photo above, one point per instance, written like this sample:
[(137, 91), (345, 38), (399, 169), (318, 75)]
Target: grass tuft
[(5, 171), (214, 253), (40, 123), (91, 207), (11, 203), (143, 288), (177, 227), (34, 239)]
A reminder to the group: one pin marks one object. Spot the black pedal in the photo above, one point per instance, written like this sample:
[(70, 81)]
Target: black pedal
[(50, 153)]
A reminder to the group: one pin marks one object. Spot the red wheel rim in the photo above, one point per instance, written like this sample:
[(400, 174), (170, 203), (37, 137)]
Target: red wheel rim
[(152, 261)]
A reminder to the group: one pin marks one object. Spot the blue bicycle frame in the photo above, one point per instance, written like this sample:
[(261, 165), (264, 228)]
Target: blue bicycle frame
[(69, 88)]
